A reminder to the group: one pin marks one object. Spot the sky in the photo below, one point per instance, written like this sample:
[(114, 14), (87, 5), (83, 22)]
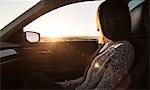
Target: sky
[(11, 9)]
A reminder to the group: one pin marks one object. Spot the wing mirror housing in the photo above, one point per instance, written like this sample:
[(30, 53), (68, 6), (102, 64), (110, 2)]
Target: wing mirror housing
[(32, 37)]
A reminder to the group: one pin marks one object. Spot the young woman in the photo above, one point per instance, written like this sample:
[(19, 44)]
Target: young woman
[(117, 54), (112, 62)]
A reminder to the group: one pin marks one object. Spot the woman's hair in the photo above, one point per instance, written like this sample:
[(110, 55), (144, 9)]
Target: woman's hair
[(115, 20)]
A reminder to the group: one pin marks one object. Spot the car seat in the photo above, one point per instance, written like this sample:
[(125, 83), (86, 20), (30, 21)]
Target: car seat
[(139, 29), (138, 73)]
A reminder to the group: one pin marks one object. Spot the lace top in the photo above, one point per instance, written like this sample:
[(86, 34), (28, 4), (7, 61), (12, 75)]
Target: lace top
[(107, 69)]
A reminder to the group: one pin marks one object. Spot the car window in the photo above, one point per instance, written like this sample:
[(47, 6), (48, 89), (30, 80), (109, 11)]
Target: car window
[(133, 3), (70, 21)]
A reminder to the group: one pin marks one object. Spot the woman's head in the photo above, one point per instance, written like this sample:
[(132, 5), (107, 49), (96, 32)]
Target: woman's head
[(113, 20)]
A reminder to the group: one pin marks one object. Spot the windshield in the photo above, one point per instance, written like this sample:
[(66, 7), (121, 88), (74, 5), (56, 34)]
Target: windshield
[(74, 20), (11, 9)]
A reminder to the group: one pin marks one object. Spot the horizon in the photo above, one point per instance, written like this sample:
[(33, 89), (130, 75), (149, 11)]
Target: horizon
[(69, 38)]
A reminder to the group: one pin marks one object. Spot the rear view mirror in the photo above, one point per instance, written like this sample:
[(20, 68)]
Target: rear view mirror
[(32, 37)]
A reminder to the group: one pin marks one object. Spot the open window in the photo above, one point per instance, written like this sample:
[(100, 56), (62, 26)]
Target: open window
[(71, 22)]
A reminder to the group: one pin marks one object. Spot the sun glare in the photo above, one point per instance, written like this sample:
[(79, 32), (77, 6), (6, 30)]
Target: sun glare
[(97, 65)]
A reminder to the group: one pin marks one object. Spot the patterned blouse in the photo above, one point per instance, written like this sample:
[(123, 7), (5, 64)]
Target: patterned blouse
[(107, 69)]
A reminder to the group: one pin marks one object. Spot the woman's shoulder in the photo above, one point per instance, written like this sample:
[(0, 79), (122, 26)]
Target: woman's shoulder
[(118, 47), (124, 47), (124, 44), (125, 52)]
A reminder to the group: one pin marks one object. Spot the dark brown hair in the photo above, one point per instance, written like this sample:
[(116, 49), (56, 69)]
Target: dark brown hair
[(115, 20)]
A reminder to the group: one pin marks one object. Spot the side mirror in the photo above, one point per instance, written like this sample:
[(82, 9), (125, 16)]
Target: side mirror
[(32, 37)]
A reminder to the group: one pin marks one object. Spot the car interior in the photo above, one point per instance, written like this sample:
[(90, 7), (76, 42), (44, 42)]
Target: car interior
[(54, 61), (140, 43)]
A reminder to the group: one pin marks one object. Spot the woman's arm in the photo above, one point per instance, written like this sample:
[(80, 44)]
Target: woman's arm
[(111, 78), (117, 68)]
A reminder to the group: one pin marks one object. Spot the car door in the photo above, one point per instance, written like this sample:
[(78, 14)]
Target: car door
[(59, 58)]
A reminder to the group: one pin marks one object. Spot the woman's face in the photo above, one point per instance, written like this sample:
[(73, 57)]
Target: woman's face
[(101, 36)]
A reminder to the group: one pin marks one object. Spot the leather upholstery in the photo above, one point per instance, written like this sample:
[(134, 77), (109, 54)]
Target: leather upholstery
[(140, 43)]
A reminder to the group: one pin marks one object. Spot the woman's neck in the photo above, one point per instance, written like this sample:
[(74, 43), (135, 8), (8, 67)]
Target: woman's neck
[(108, 41)]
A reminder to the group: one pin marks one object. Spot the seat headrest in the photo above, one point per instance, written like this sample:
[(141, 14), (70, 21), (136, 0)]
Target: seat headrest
[(137, 21), (136, 16)]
